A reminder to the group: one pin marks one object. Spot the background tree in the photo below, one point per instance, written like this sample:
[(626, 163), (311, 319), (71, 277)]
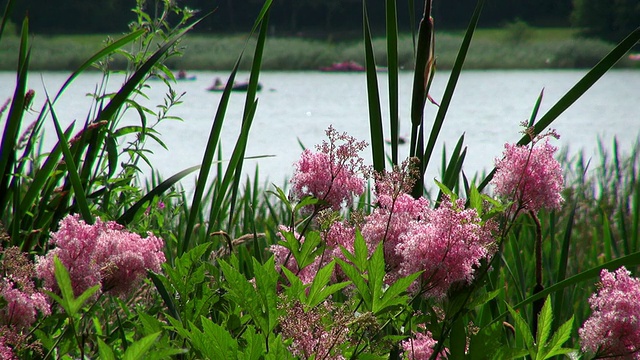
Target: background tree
[(606, 19)]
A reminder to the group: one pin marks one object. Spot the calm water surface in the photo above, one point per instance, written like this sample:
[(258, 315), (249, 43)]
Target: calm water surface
[(487, 108)]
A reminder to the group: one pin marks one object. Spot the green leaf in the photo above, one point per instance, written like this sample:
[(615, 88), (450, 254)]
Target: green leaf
[(105, 351), (254, 348), (67, 300), (320, 281), (545, 319), (358, 280), (395, 295), (376, 273), (72, 170), (560, 337), (523, 330), (139, 349)]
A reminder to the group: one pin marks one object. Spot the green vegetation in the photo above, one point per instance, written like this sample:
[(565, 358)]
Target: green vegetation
[(212, 289), (492, 49)]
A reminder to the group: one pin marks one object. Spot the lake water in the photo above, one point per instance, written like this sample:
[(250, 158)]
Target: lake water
[(488, 107)]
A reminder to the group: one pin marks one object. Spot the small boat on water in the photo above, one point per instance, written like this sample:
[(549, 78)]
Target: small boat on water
[(241, 86), (181, 76), (345, 66)]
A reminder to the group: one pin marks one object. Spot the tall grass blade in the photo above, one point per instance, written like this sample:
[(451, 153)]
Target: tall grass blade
[(536, 107), (130, 213), (451, 84), (14, 117), (207, 160), (392, 68), (424, 54), (72, 170), (373, 96), (229, 175), (250, 99)]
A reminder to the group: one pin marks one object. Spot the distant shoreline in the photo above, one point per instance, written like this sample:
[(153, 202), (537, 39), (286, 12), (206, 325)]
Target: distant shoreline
[(491, 49)]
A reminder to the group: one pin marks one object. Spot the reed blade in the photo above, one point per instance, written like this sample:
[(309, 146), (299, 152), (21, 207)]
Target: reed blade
[(392, 68), (14, 118), (373, 96)]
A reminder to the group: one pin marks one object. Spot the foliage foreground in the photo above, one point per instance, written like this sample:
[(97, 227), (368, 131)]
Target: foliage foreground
[(353, 261)]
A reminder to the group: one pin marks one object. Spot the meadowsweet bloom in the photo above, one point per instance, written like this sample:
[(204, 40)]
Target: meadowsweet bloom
[(613, 329), (391, 219), (22, 300), (530, 176), (21, 309), (309, 333), (447, 246), (332, 174), (420, 347), (6, 352), (102, 253)]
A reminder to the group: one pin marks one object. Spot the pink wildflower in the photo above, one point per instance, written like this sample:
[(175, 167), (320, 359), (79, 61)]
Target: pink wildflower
[(22, 300), (397, 211), (6, 352), (310, 335), (421, 347), (390, 220), (447, 247), (613, 329), (530, 176), (103, 253), (22, 308), (331, 174)]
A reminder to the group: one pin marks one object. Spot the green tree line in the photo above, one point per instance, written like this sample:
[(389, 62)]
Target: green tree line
[(607, 19)]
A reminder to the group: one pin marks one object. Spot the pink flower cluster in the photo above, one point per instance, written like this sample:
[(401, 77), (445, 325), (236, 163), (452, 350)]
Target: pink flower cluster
[(102, 253), (332, 174), (530, 176), (309, 334), (22, 307), (420, 347), (6, 352), (448, 245), (392, 218), (23, 300), (613, 329)]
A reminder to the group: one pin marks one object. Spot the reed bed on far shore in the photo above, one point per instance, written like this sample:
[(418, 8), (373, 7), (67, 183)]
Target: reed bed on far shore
[(504, 48)]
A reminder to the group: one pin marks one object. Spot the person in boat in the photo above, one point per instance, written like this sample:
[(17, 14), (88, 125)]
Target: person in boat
[(217, 82), (182, 74)]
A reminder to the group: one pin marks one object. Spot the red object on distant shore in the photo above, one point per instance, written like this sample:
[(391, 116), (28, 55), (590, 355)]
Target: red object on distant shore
[(344, 66)]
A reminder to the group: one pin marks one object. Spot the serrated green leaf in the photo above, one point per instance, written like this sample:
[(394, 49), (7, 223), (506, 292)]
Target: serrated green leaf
[(358, 280), (266, 284), (396, 293), (254, 348), (375, 272), (523, 330), (139, 349), (545, 320), (446, 191), (105, 351), (560, 337), (361, 252), (319, 290)]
